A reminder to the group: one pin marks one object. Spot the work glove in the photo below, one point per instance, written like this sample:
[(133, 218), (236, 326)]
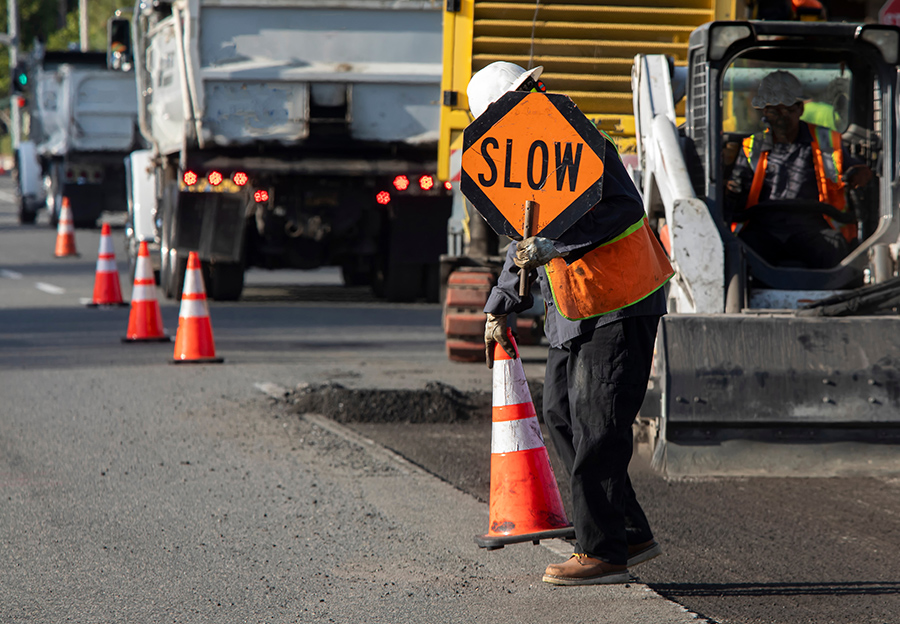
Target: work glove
[(535, 251), (495, 332)]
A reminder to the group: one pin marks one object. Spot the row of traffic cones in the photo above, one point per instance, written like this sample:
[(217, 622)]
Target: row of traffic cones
[(194, 338)]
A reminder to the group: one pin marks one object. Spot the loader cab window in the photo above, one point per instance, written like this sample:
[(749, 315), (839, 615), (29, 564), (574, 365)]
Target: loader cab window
[(787, 205), (826, 91)]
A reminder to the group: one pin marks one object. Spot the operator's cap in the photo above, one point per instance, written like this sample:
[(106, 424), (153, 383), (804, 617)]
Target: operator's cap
[(488, 84), (779, 87)]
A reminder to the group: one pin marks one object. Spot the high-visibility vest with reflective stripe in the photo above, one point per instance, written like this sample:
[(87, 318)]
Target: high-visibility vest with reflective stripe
[(828, 162), (612, 276)]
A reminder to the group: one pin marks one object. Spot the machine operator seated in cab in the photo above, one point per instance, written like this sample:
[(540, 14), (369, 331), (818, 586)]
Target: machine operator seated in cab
[(787, 186)]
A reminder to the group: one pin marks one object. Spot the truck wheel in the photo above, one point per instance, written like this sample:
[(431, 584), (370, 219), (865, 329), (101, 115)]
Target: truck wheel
[(226, 281), (403, 283), (353, 275), (171, 275), (26, 216), (54, 195)]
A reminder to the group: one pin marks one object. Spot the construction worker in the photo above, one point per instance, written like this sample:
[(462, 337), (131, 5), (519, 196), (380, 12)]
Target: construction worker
[(602, 286), (792, 160)]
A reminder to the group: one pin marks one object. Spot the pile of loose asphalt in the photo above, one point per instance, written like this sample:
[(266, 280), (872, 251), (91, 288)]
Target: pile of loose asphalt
[(444, 430)]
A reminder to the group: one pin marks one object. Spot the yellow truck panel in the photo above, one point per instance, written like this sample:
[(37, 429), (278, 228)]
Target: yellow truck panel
[(586, 49)]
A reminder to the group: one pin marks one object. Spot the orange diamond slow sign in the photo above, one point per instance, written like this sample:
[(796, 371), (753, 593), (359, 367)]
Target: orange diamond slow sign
[(532, 146)]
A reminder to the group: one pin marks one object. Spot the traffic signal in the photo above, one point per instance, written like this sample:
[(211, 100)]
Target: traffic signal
[(19, 78), (118, 52)]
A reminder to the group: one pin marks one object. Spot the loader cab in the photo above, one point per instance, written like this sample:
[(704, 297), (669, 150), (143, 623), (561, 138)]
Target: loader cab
[(849, 75)]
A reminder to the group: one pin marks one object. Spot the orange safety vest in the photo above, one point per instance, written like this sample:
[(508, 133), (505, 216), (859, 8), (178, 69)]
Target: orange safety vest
[(828, 162), (612, 276)]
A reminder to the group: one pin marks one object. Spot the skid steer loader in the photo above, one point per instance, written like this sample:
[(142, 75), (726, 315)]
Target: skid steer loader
[(772, 369)]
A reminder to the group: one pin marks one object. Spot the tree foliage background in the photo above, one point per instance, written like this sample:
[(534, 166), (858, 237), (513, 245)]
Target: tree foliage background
[(55, 23)]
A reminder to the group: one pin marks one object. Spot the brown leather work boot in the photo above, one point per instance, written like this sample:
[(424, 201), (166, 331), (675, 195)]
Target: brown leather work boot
[(583, 570), (645, 551)]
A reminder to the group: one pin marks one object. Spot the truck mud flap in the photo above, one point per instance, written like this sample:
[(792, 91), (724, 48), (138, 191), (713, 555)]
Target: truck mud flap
[(211, 224), (777, 395)]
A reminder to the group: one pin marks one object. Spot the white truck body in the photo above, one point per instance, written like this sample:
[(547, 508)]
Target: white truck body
[(237, 73), (83, 125), (318, 106), (84, 109)]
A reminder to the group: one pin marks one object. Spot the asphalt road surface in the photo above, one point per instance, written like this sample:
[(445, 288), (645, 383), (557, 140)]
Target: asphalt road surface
[(136, 491)]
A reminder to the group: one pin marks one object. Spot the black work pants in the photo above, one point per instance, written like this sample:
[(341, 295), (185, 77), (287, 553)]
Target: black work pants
[(594, 387)]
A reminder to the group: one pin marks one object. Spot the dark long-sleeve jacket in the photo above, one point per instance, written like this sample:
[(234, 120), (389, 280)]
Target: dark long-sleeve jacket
[(619, 208)]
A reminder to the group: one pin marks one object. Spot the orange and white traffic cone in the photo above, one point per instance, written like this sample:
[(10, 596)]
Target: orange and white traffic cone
[(145, 322), (194, 339), (65, 231), (107, 288), (525, 503)]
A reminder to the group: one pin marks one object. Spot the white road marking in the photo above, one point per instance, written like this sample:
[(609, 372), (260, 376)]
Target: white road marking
[(49, 288), (7, 196), (10, 274)]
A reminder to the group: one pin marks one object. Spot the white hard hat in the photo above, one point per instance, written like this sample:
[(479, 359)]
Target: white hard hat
[(779, 87), (488, 84)]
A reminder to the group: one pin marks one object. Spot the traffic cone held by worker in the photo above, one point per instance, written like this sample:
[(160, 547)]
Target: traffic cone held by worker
[(525, 504), (107, 288), (65, 231), (194, 339), (145, 322)]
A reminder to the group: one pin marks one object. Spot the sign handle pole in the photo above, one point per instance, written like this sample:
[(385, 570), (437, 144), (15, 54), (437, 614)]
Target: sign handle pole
[(526, 231)]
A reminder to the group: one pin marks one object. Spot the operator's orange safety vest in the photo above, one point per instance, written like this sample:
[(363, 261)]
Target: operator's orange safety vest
[(828, 161), (612, 276)]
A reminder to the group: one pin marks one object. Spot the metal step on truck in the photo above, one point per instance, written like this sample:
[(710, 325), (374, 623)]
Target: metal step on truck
[(290, 134), (81, 125)]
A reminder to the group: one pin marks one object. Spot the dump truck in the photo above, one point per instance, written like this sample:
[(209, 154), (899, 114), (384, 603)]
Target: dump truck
[(291, 134), (771, 367), (586, 50), (82, 125)]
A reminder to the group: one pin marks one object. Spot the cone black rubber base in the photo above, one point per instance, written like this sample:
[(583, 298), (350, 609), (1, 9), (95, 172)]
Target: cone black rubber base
[(494, 542), (123, 304), (160, 339), (216, 360)]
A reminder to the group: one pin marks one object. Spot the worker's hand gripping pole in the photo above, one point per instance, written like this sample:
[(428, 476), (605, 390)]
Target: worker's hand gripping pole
[(526, 232)]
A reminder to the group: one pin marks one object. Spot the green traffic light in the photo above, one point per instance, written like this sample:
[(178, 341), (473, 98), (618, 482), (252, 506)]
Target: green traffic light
[(23, 79)]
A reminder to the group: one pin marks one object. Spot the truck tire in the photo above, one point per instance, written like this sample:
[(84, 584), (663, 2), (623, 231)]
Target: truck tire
[(226, 281), (171, 275), (354, 275), (403, 283), (54, 195), (26, 216)]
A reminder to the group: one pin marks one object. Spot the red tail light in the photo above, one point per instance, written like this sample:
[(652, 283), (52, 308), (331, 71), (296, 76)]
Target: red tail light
[(215, 178), (260, 196), (401, 183), (383, 198), (190, 178), (240, 178), (448, 186), (426, 183)]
